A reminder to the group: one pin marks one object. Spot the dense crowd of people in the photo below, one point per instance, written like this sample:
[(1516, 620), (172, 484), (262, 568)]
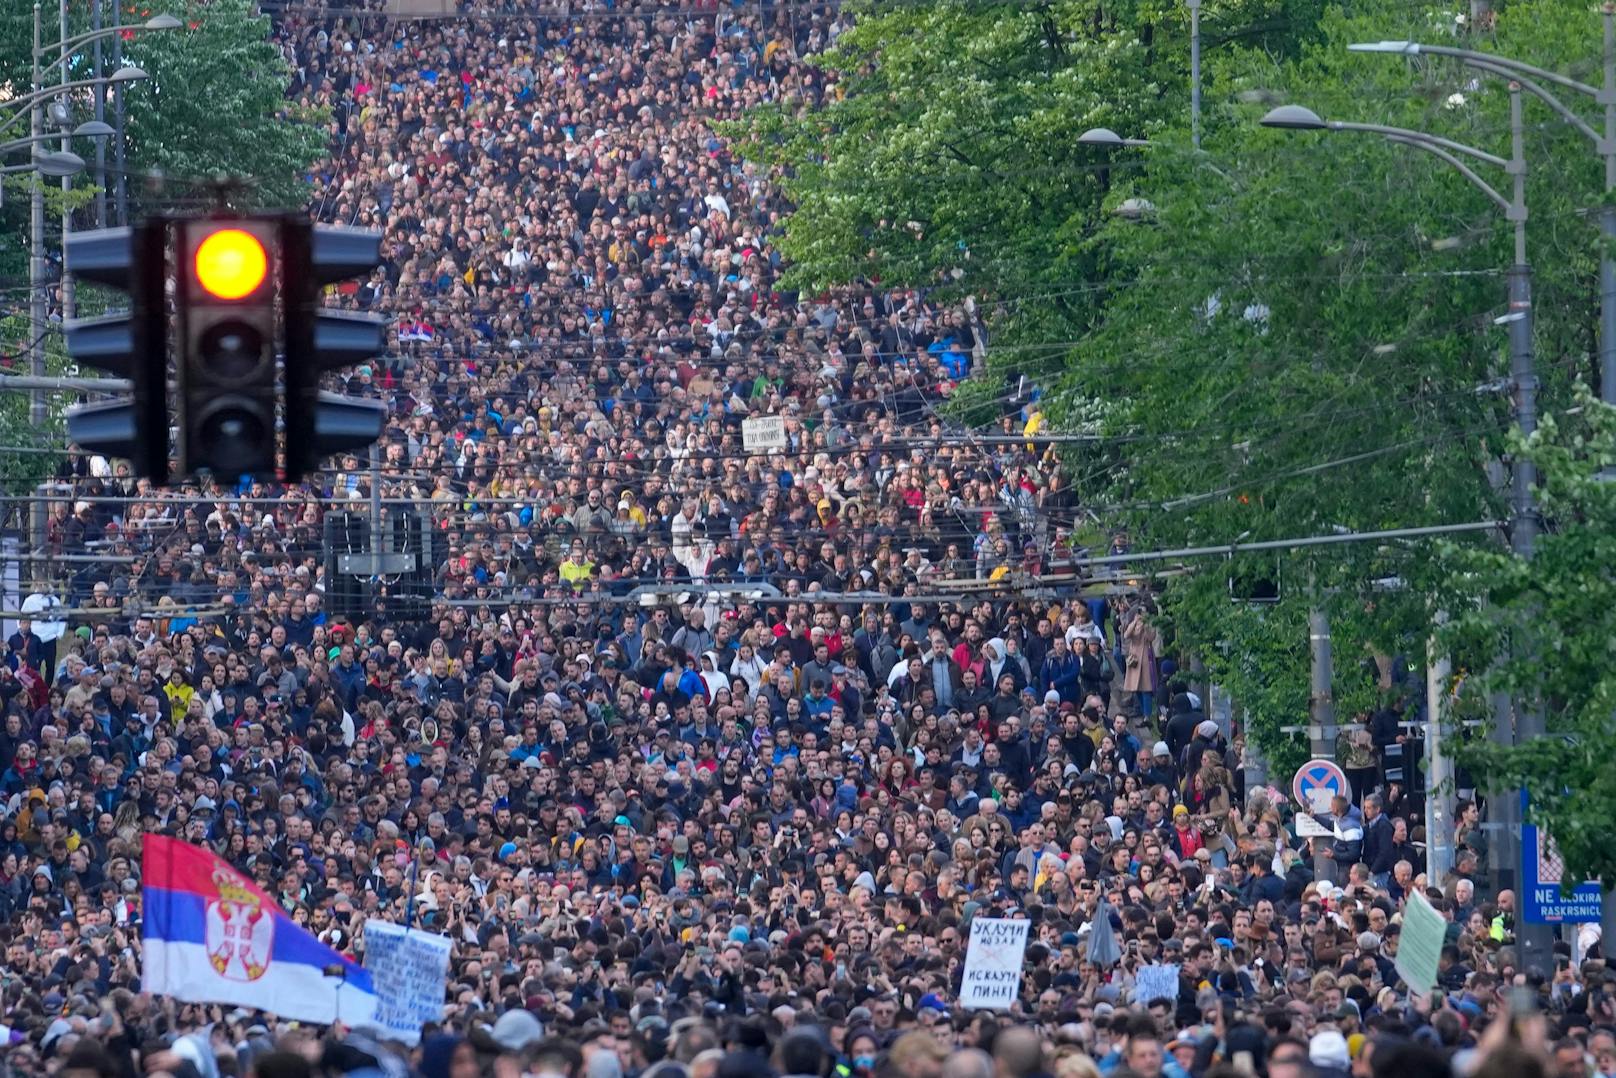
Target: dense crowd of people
[(740, 820)]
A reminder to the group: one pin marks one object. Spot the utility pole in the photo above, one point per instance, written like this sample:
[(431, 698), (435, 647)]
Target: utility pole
[(1321, 701), (1439, 766), (36, 295), (69, 298), (377, 547), (1536, 941), (1195, 73), (101, 116), (1607, 221), (120, 186)]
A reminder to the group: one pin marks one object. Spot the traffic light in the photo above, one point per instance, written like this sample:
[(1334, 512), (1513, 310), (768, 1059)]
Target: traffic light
[(227, 335), (319, 424), (132, 345)]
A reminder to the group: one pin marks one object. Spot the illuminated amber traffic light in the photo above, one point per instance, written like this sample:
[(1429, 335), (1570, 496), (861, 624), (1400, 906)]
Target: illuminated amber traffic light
[(231, 264), (227, 341)]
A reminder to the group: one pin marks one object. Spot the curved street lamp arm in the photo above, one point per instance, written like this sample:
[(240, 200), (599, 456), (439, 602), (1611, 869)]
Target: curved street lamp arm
[(1464, 170), (24, 103), (1541, 94), (1516, 67), (1423, 139), (54, 50), (27, 140)]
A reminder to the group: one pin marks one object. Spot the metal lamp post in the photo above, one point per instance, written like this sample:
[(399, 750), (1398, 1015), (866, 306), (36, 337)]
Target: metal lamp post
[(1536, 941), (97, 34), (63, 164), (50, 163), (1531, 79), (64, 48)]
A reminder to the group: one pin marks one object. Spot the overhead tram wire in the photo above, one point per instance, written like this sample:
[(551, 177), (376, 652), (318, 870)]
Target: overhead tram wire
[(517, 500)]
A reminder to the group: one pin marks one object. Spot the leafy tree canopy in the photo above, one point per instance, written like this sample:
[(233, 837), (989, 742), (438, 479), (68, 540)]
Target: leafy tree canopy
[(1297, 335), (215, 103), (1542, 631)]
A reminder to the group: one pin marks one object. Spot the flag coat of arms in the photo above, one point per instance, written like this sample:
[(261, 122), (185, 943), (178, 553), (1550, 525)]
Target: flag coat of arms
[(211, 936)]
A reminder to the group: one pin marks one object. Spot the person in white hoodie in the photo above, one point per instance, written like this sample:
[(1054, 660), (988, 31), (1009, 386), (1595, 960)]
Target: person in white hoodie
[(711, 675), (750, 668)]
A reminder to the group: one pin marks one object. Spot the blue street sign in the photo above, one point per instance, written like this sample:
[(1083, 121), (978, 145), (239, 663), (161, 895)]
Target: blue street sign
[(1542, 900)]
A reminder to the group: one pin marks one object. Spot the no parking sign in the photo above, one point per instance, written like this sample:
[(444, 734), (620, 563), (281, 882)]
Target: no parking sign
[(1316, 782)]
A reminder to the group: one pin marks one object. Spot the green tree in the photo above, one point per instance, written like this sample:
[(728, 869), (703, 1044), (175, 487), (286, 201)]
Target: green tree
[(215, 103), (1298, 337), (27, 456), (1541, 631), (1303, 340), (946, 154)]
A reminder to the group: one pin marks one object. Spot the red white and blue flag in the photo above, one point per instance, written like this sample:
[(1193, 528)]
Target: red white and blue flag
[(211, 936)]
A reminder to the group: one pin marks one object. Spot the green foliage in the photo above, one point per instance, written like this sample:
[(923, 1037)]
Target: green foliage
[(1253, 653), (975, 402), (22, 468), (215, 103), (1299, 338), (1258, 653), (948, 154), (1542, 631)]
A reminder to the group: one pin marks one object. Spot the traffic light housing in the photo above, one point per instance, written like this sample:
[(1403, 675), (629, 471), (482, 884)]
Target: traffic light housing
[(227, 333), (319, 424), (133, 345), (245, 296)]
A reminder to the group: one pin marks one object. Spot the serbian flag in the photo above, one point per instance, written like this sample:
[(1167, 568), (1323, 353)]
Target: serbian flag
[(211, 936)]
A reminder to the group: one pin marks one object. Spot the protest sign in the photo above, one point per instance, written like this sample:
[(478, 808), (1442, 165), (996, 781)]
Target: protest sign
[(762, 433), (409, 970), (993, 960), (1155, 982), (1424, 931)]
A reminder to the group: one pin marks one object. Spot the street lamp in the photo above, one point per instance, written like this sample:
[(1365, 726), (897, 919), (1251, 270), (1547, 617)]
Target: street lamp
[(25, 106), (1130, 209), (1531, 79), (1536, 944), (1104, 136), (52, 163), (1106, 139), (78, 41)]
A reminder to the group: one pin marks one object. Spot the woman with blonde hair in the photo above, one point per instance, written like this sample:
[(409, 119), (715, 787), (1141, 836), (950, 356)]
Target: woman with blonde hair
[(1070, 1061)]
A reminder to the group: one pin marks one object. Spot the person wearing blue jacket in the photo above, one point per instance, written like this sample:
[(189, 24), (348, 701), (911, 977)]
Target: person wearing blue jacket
[(1061, 672)]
